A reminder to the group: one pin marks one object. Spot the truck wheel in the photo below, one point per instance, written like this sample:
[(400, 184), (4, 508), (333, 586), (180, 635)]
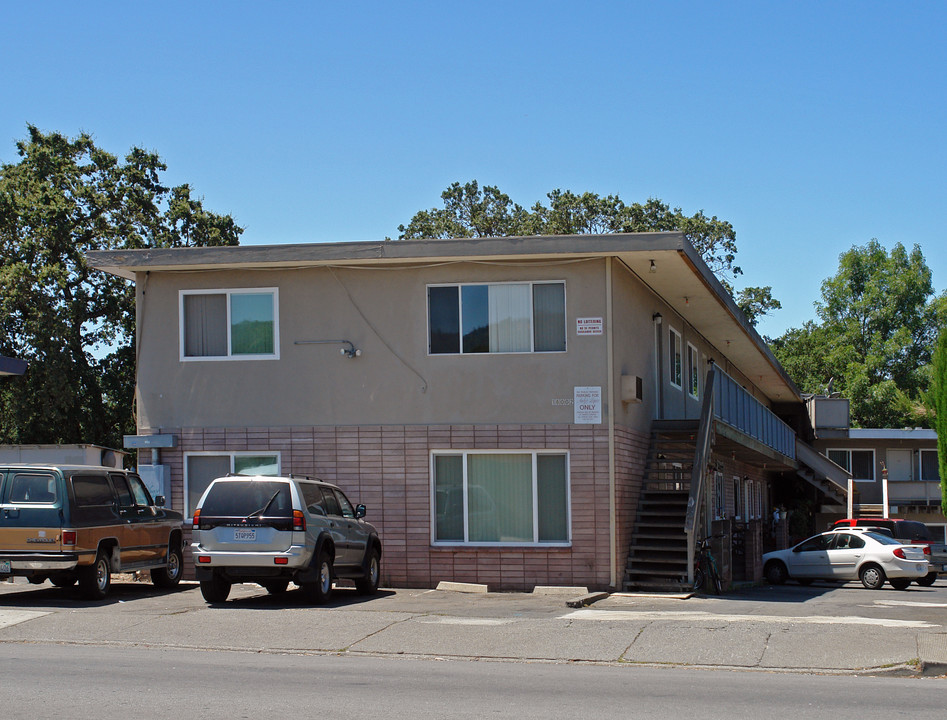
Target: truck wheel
[(928, 579), (95, 580), (170, 575)]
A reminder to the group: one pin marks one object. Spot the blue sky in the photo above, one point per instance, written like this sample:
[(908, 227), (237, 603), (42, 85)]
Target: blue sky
[(811, 126)]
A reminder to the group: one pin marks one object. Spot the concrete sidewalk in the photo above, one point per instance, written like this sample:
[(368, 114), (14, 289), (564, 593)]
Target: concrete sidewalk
[(823, 632)]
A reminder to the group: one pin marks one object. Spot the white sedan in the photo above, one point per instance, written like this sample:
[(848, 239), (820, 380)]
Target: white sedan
[(850, 554)]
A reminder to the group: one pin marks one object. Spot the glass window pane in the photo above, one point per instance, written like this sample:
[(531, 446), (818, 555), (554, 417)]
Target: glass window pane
[(251, 324), (509, 307), (929, 468), (444, 320), (552, 501), (549, 317), (256, 465), (863, 465), (449, 497), (500, 498), (205, 325), (201, 469), (840, 458), (476, 318)]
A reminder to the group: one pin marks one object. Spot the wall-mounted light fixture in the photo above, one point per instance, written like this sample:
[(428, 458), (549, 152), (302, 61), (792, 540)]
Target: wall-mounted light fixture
[(350, 352), (652, 268), (656, 318)]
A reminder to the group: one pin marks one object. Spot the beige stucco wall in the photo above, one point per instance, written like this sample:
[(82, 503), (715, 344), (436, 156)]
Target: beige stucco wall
[(384, 313)]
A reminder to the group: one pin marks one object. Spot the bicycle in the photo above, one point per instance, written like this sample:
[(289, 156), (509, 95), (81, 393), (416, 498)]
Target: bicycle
[(706, 567)]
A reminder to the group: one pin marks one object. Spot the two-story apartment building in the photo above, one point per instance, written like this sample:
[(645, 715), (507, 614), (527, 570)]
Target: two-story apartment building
[(520, 411)]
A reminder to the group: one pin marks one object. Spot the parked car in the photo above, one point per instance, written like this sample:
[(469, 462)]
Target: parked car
[(909, 532), (850, 554), (276, 530), (82, 523)]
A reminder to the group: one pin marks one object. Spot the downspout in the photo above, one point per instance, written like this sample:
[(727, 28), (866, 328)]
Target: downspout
[(610, 394)]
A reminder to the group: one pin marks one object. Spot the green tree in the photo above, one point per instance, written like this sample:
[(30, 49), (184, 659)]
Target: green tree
[(879, 319), (75, 326), (938, 405), (472, 211)]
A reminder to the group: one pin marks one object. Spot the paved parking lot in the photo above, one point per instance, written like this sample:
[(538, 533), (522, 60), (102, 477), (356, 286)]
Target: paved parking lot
[(822, 628)]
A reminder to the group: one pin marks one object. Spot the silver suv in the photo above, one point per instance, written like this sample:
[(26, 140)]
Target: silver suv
[(274, 530)]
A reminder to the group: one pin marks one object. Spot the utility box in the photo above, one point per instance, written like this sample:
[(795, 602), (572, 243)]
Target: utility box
[(829, 413), (155, 478)]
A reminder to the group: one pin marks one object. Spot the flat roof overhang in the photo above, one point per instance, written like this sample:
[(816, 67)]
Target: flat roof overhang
[(12, 366), (664, 261)]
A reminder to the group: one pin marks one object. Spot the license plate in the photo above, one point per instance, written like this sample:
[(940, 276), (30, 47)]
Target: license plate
[(244, 535), (5, 566)]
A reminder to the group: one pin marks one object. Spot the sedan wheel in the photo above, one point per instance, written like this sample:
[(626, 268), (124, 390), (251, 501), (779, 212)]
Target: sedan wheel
[(775, 572), (872, 577)]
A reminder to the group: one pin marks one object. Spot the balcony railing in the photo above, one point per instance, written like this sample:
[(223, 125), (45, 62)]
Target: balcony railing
[(736, 407)]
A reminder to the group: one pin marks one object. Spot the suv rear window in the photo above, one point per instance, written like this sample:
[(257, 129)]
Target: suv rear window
[(91, 490), (33, 488), (242, 499)]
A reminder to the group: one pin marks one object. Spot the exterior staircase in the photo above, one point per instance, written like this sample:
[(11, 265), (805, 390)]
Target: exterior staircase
[(866, 510), (657, 558)]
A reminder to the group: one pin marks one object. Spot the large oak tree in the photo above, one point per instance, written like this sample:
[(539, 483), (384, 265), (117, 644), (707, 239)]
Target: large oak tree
[(75, 326)]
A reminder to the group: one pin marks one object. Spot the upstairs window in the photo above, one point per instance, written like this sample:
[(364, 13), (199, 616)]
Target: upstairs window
[(496, 318), (693, 372), (860, 463), (676, 357), (229, 324), (930, 471)]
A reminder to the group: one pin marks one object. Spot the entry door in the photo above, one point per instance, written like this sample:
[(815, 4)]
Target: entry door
[(899, 465)]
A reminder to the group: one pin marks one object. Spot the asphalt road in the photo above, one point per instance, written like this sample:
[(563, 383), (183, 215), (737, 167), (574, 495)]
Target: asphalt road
[(815, 630), (117, 683)]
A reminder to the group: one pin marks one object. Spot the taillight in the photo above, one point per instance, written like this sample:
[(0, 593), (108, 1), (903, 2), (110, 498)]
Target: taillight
[(899, 552), (927, 549), (68, 537), (197, 517), (281, 561), (299, 520)]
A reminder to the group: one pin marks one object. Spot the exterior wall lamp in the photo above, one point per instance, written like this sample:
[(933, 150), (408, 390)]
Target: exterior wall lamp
[(350, 352)]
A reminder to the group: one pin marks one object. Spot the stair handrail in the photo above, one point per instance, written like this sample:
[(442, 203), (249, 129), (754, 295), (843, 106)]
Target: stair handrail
[(699, 469)]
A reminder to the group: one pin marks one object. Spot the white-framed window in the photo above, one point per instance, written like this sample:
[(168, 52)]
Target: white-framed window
[(929, 468), (517, 317), (860, 463), (516, 497), (719, 497), (693, 372), (738, 498), (675, 357), (238, 324), (202, 467)]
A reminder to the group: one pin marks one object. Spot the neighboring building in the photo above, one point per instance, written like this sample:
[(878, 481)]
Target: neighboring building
[(514, 411), (12, 366), (894, 471), (76, 454)]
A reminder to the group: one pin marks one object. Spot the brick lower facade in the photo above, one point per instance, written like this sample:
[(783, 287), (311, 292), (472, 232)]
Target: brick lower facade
[(388, 469)]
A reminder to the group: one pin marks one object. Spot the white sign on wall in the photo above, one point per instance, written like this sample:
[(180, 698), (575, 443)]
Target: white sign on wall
[(587, 405), (589, 326)]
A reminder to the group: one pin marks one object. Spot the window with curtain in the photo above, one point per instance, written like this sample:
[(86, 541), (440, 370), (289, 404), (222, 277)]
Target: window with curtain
[(229, 324), (519, 498), (200, 469), (496, 318)]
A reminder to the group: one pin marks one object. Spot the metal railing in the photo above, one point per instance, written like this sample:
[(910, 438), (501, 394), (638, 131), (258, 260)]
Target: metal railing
[(699, 471), (736, 407)]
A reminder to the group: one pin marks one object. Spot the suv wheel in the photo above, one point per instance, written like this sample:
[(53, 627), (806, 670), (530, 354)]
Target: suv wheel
[(170, 575), (96, 579), (368, 585), (215, 590), (321, 590)]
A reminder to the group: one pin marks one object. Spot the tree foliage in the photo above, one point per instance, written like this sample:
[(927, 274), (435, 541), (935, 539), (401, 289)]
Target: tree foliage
[(879, 319), (75, 326), (472, 211), (937, 403)]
